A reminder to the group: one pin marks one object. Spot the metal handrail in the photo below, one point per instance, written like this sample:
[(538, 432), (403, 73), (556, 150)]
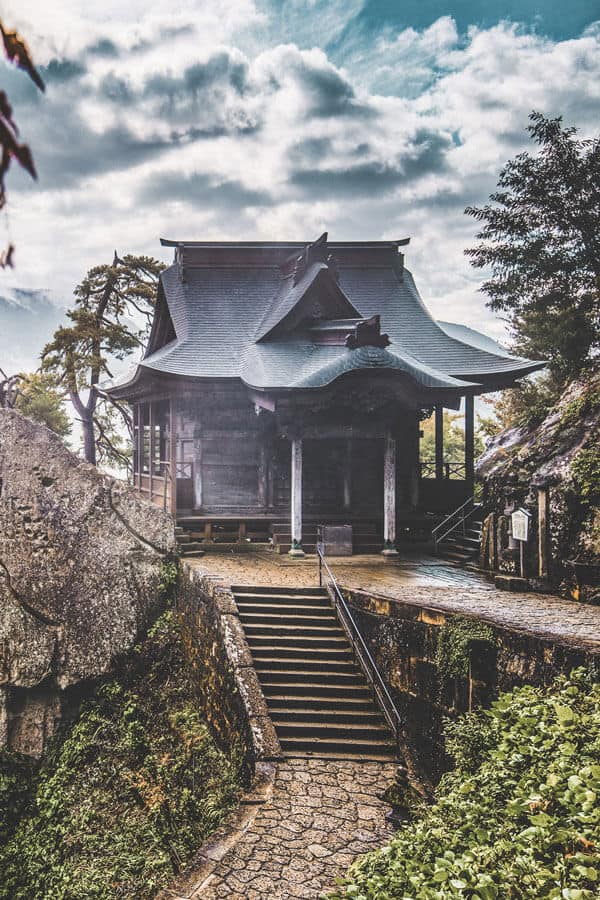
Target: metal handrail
[(438, 538), (362, 652)]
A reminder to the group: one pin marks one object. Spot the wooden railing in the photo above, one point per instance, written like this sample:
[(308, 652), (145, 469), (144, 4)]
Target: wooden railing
[(453, 470)]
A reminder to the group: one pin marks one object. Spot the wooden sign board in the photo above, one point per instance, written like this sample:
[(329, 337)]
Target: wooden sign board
[(520, 524)]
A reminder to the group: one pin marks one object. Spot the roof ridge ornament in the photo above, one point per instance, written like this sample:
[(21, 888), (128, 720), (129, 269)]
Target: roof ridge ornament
[(316, 252), (367, 334)]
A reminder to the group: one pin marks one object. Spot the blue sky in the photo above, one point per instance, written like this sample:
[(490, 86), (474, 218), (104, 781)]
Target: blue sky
[(251, 119)]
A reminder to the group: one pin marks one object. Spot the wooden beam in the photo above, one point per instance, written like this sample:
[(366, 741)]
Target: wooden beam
[(470, 442), (439, 441), (389, 496), (173, 458), (543, 532), (347, 474), (296, 498)]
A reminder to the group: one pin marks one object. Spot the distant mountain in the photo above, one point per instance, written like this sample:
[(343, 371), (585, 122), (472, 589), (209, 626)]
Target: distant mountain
[(28, 320)]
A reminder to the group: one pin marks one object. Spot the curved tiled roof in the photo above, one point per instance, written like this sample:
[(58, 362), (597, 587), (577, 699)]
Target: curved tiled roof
[(223, 314)]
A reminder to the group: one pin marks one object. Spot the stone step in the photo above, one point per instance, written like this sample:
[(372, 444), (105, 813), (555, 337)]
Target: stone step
[(291, 620), (345, 703), (277, 601), (331, 716), (294, 651), (264, 663), (309, 676), (308, 643), (292, 632), (281, 608), (317, 731), (259, 589), (310, 689), (338, 748)]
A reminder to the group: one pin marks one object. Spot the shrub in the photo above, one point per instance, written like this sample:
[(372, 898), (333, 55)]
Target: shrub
[(524, 825)]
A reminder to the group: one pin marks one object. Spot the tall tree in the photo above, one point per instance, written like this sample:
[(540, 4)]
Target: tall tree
[(111, 319), (541, 240)]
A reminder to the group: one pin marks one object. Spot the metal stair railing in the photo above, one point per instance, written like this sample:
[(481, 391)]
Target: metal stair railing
[(455, 520), (361, 651)]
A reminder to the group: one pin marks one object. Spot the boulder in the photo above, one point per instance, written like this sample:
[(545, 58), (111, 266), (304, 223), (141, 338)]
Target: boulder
[(81, 558)]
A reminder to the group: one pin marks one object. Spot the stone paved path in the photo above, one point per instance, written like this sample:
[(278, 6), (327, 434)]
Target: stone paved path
[(321, 815), (426, 582)]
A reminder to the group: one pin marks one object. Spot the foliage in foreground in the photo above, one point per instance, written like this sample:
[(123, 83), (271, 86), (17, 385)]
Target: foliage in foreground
[(128, 796), (519, 816)]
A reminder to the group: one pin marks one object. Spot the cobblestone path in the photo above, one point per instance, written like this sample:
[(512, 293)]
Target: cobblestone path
[(321, 815)]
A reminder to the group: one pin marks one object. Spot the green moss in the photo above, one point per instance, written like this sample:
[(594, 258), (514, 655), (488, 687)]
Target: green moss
[(585, 473), (453, 644), (128, 795)]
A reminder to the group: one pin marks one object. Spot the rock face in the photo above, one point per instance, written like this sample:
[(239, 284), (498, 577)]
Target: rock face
[(80, 567), (562, 451)]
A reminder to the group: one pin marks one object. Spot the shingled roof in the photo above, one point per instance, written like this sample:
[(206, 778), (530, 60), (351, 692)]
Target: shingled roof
[(244, 310)]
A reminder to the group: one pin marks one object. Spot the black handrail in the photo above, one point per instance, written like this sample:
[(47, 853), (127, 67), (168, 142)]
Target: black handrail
[(361, 650)]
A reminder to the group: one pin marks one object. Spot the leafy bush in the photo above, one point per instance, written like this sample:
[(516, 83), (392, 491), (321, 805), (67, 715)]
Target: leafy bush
[(524, 825), (127, 797)]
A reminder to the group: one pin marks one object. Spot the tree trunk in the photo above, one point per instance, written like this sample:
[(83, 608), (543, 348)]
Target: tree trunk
[(89, 441)]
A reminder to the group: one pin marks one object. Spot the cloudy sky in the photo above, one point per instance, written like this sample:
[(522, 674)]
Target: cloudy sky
[(250, 119)]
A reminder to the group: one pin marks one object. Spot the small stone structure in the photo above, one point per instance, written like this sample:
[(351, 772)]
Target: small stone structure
[(80, 567)]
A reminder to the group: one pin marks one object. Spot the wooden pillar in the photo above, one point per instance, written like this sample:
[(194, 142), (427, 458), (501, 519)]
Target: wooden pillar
[(135, 463), (151, 449), (263, 467), (197, 471), (414, 466), (296, 499), (347, 475), (172, 459), (389, 496), (140, 435), (439, 441), (543, 532), (470, 443)]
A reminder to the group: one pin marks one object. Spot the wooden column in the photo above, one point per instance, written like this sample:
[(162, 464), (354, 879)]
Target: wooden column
[(389, 496), (414, 466), (347, 475), (263, 468), (151, 449), (172, 459), (543, 532), (296, 499), (439, 441), (140, 409), (470, 443)]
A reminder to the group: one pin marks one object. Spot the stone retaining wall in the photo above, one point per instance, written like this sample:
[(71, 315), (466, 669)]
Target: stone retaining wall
[(220, 661), (404, 638)]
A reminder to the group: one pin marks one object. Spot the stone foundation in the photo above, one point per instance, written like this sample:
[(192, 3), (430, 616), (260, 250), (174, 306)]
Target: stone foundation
[(403, 639)]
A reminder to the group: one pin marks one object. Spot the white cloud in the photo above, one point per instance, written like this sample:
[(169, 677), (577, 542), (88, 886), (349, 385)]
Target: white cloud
[(276, 141)]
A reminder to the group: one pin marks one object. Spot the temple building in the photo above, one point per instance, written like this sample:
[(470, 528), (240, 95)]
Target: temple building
[(284, 384)]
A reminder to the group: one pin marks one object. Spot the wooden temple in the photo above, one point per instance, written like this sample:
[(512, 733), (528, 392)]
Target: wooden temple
[(284, 385)]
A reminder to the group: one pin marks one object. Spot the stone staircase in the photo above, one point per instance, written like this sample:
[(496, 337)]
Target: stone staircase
[(318, 697), (463, 549), (186, 544)]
